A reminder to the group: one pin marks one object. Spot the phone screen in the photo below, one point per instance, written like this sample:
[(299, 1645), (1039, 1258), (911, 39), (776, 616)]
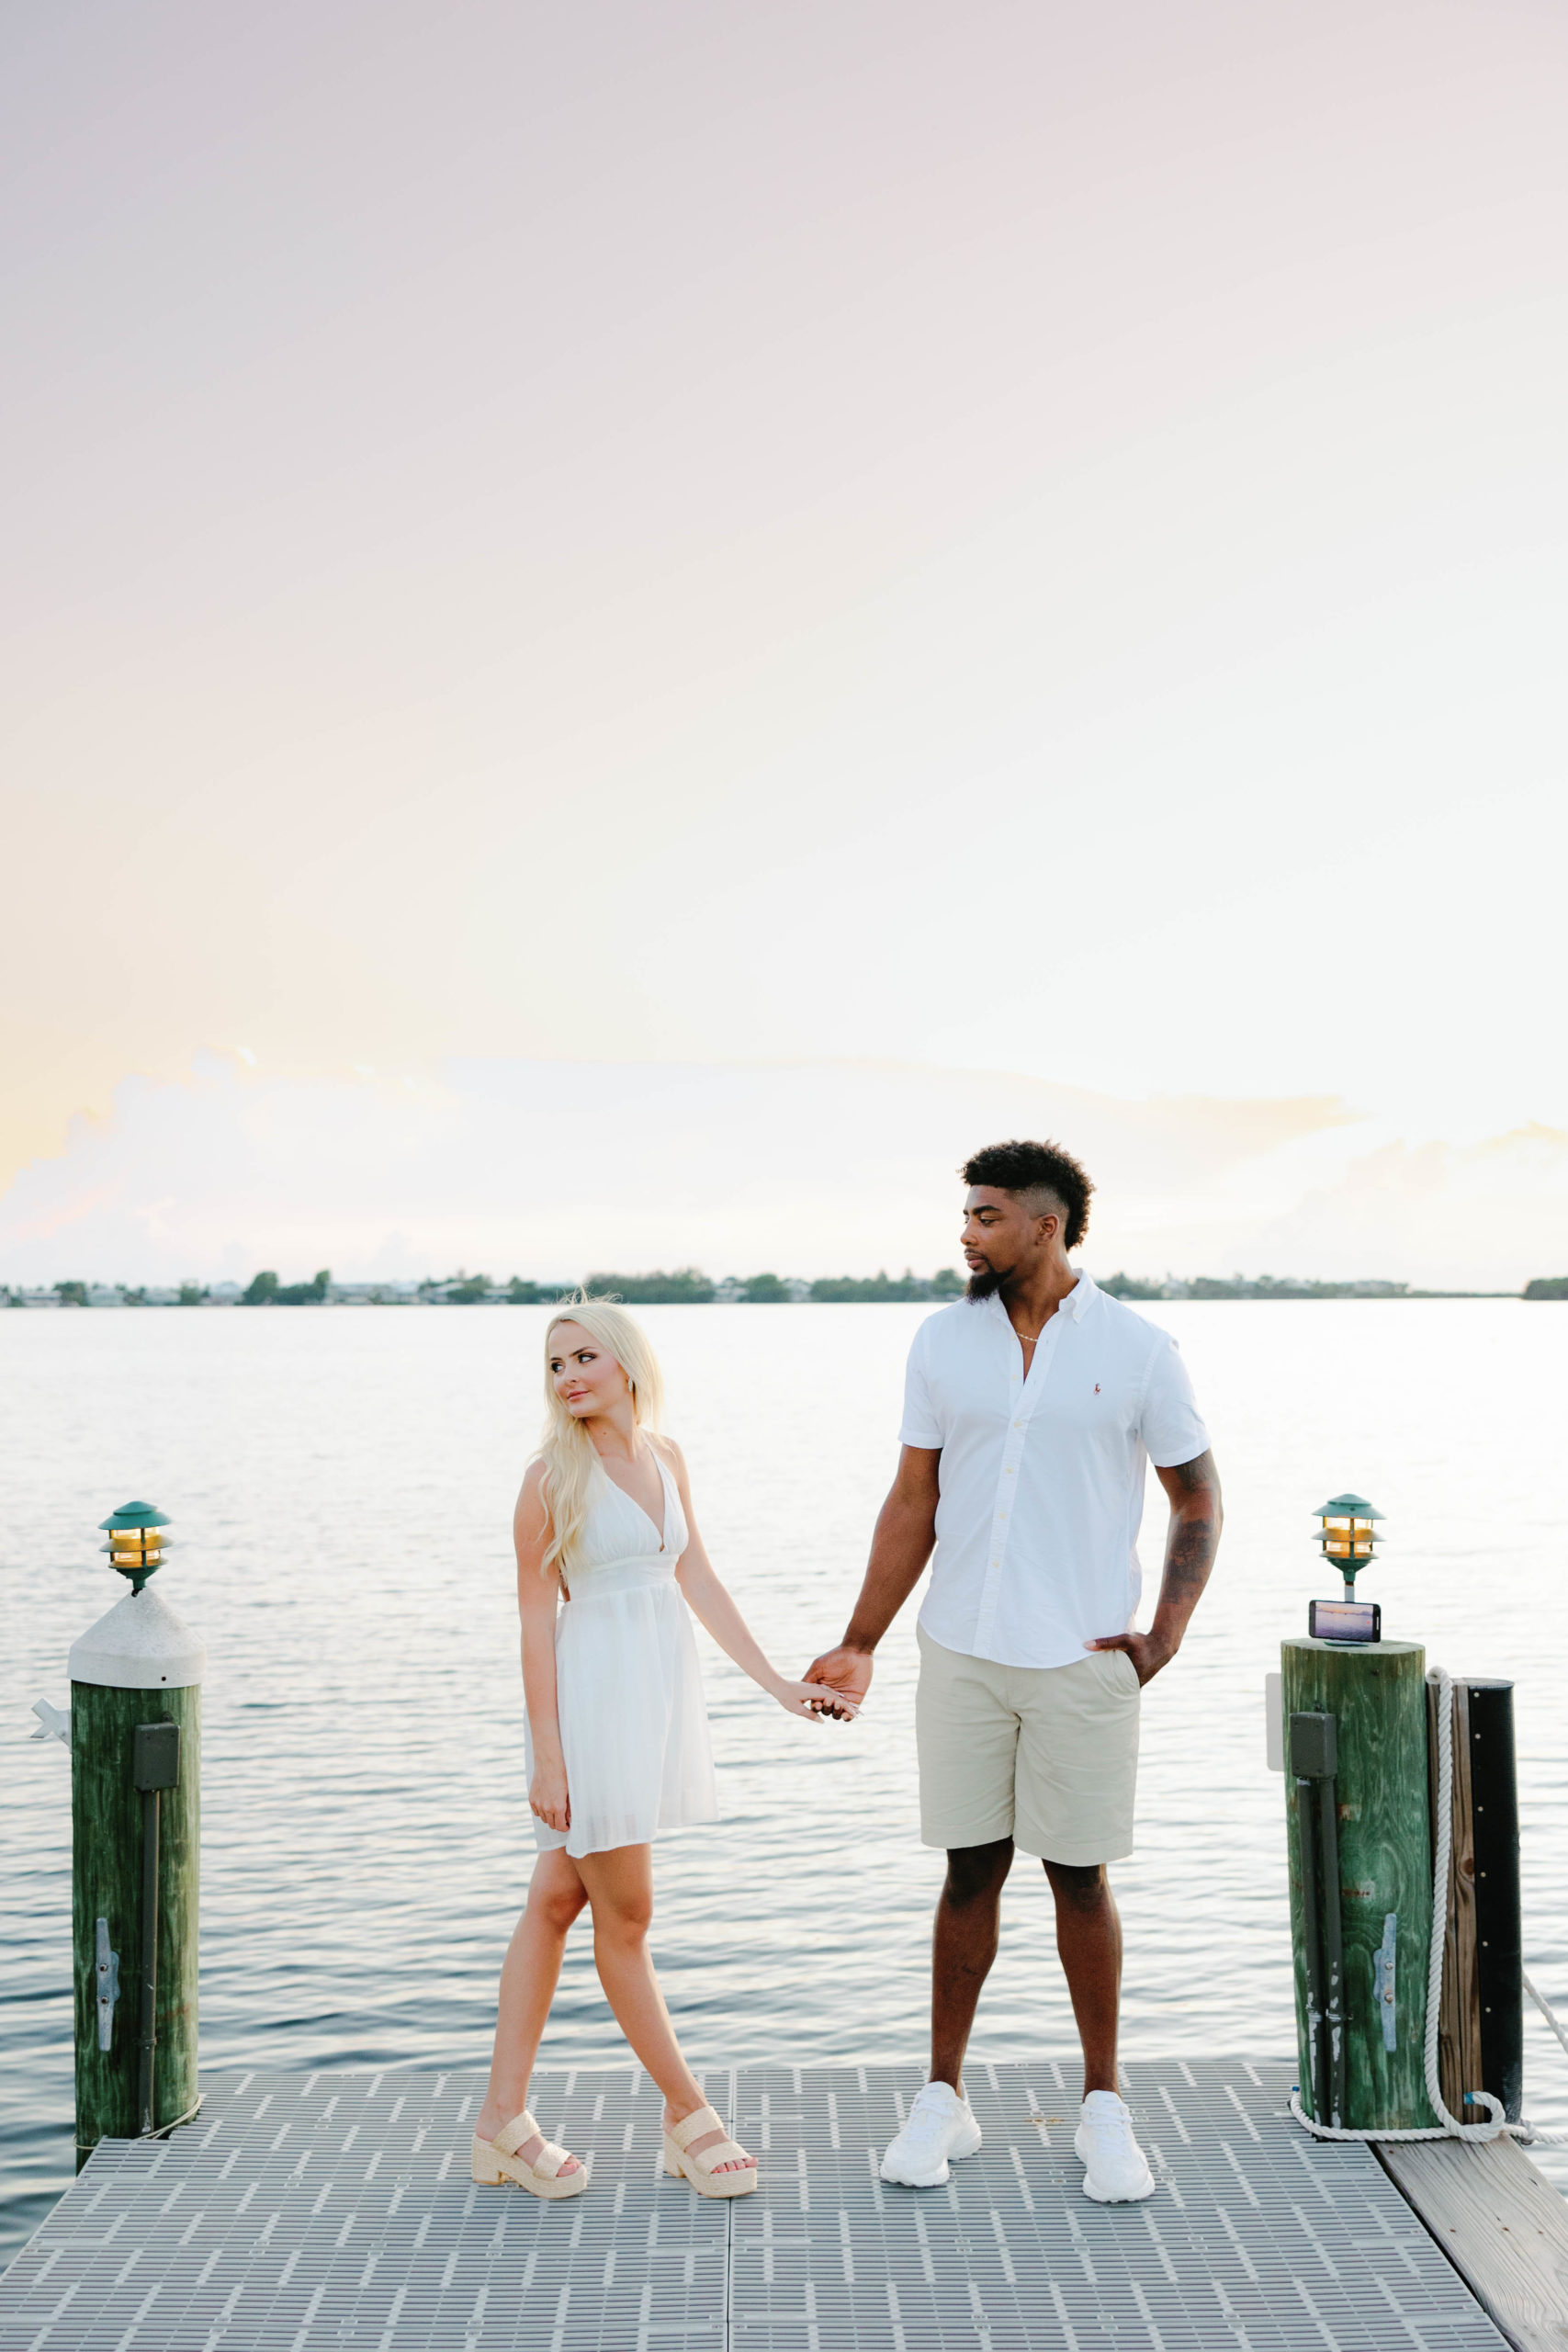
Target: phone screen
[(1345, 1620)]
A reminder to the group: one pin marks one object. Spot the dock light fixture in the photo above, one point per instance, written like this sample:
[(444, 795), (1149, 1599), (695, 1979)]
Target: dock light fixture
[(1347, 1533), (135, 1547)]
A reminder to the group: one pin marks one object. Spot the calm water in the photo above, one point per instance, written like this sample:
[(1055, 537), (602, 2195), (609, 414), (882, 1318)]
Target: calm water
[(341, 1485)]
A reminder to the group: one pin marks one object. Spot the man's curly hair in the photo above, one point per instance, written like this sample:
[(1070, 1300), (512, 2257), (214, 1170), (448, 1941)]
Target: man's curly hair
[(1020, 1167)]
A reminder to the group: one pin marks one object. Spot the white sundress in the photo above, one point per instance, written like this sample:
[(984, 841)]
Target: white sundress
[(629, 1685)]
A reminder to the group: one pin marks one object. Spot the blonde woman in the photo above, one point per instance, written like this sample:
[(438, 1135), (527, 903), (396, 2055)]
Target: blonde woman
[(609, 1562)]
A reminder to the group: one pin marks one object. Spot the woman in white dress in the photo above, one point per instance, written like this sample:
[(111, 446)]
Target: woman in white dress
[(609, 1563)]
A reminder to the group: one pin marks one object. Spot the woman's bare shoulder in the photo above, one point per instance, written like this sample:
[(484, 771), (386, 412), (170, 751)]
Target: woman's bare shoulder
[(530, 1513), (666, 1450), (531, 1490)]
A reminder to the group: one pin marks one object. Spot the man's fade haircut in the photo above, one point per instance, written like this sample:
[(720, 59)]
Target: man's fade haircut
[(1021, 1167)]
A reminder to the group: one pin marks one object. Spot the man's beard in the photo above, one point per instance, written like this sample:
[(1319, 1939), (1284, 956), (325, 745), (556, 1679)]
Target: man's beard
[(983, 1285)]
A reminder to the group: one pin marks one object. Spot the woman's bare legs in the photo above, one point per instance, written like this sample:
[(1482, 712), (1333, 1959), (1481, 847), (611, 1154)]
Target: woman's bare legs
[(528, 1977), (620, 1888)]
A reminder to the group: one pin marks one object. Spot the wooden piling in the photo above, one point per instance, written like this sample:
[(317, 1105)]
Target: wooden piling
[(106, 1817), (1459, 2029), (138, 1668), (1376, 1693), (1481, 2037)]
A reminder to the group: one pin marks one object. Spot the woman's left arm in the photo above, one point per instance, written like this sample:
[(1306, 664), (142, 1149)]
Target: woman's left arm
[(711, 1604)]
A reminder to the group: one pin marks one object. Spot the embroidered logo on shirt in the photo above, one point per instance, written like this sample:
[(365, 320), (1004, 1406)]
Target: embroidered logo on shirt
[(1097, 1388)]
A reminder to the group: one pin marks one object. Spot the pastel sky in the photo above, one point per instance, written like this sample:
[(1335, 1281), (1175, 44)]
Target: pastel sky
[(627, 629)]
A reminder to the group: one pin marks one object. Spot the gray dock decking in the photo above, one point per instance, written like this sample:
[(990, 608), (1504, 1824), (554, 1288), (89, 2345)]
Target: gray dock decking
[(334, 2210)]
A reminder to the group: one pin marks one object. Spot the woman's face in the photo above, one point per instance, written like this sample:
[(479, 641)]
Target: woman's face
[(587, 1378)]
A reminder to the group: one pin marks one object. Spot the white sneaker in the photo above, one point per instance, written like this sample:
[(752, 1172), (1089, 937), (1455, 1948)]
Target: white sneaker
[(939, 2125), (1116, 2171)]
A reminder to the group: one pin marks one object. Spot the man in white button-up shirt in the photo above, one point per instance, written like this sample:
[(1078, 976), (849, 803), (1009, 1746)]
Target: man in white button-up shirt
[(1030, 1409)]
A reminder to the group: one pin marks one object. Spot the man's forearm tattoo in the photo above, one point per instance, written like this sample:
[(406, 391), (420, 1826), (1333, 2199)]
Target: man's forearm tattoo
[(1195, 1531), (1191, 1556)]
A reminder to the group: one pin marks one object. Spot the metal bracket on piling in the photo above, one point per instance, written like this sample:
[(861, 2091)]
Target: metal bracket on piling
[(107, 1974), (53, 1723), (1383, 1980)]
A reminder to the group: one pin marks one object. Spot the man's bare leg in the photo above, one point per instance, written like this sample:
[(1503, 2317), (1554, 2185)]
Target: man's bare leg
[(962, 1948), (1088, 1939)]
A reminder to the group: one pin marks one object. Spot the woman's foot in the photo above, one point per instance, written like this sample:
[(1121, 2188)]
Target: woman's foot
[(491, 2120), (674, 2115)]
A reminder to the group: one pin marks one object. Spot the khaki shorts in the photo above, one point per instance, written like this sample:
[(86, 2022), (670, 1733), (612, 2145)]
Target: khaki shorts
[(1047, 1756)]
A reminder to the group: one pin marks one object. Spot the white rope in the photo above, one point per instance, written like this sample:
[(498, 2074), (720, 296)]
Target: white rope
[(1448, 2126), (161, 2131), (1545, 2008)]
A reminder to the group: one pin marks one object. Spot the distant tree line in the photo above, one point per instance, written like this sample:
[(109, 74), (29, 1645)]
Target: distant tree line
[(265, 1290), (685, 1286), (833, 1288), (689, 1287)]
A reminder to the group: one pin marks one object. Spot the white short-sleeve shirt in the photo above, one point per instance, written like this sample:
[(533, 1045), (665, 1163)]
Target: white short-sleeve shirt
[(1041, 1480)]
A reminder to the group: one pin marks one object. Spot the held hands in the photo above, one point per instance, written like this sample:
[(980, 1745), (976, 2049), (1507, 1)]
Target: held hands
[(809, 1700), (847, 1674), (548, 1795)]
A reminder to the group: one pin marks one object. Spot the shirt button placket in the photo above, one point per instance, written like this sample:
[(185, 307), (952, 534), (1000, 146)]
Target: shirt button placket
[(1012, 1455), (990, 1593)]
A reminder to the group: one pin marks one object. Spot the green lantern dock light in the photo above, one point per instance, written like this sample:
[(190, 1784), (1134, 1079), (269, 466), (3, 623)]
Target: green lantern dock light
[(134, 1732), (136, 1546), (1348, 1533)]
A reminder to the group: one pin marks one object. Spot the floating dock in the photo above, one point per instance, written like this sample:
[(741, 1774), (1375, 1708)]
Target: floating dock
[(303, 2212)]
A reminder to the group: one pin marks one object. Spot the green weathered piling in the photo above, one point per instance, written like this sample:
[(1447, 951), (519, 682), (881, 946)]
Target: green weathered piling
[(106, 1810), (1376, 1694), (136, 1825), (1314, 1767)]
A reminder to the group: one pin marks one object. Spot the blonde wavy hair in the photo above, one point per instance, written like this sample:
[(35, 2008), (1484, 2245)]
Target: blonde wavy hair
[(566, 1449)]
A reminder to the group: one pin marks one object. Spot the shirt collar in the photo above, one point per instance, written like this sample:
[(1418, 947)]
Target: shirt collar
[(1075, 1304)]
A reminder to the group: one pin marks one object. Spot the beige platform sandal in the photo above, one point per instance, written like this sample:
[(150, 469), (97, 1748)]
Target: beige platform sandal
[(496, 2160), (700, 2169)]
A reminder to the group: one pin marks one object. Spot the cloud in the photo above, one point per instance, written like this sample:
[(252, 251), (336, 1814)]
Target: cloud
[(551, 1168), (1059, 570), (1496, 1209)]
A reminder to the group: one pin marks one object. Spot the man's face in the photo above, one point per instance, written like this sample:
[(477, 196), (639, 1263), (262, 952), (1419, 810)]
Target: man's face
[(1000, 1234)]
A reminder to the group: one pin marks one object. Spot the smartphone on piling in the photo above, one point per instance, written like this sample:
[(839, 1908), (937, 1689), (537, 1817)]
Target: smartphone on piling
[(1345, 1620)]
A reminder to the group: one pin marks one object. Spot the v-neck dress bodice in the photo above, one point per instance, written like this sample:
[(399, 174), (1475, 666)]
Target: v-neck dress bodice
[(628, 1683)]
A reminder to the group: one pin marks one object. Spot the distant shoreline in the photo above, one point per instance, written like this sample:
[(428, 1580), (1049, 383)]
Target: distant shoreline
[(689, 1287)]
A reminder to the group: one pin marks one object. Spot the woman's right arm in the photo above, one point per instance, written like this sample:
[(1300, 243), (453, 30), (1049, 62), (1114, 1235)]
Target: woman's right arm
[(538, 1591)]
